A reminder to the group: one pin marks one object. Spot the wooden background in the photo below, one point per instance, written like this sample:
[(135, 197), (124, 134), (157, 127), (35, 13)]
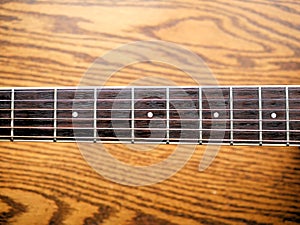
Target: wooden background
[(52, 43)]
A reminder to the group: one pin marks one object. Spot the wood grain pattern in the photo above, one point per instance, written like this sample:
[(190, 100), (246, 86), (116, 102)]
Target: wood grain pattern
[(52, 43)]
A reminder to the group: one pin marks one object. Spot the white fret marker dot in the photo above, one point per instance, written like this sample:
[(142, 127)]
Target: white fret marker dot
[(274, 115), (75, 114), (216, 115), (150, 114)]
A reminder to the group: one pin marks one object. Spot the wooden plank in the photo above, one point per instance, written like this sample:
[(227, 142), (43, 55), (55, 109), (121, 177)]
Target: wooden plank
[(53, 44)]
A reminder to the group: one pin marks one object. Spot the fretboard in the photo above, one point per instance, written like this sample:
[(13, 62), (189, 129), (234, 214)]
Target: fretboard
[(268, 115)]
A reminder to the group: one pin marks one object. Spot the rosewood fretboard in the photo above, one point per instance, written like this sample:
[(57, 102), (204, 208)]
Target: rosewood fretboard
[(226, 115)]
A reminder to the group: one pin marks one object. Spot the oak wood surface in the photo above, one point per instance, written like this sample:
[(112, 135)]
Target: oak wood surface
[(53, 43)]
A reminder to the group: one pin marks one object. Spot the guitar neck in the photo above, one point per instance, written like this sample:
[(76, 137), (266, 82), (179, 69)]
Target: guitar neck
[(252, 115)]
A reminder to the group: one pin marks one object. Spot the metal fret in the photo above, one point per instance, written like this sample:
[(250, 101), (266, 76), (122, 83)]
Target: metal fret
[(12, 114), (55, 115), (132, 115), (231, 115), (260, 115), (95, 114), (168, 114), (287, 116), (200, 117)]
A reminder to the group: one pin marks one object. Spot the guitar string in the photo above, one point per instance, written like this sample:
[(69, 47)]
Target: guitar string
[(162, 140), (147, 109), (141, 89), (152, 129), (71, 119), (161, 91), (146, 99)]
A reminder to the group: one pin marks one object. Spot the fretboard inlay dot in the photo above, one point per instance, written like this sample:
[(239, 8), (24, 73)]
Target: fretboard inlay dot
[(216, 115), (150, 114), (273, 115), (75, 114)]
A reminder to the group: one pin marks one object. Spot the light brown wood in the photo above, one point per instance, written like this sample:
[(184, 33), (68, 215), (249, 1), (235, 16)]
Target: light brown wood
[(53, 43)]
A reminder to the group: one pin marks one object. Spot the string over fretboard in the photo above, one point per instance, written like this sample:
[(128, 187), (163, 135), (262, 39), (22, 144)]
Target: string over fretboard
[(265, 115)]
